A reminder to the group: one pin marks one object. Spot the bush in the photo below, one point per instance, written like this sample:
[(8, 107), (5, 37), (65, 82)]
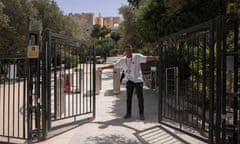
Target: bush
[(71, 61)]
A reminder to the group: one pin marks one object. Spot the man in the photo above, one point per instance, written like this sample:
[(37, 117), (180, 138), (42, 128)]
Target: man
[(131, 65), (122, 76)]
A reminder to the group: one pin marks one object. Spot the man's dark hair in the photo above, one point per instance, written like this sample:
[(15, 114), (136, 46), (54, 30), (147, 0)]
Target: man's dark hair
[(128, 46)]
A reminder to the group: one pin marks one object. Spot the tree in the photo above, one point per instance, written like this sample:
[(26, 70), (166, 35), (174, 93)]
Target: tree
[(14, 28), (49, 14), (54, 19), (115, 36), (104, 47), (96, 31), (99, 32), (151, 19), (105, 31), (70, 27), (129, 26), (43, 13), (4, 20), (134, 3)]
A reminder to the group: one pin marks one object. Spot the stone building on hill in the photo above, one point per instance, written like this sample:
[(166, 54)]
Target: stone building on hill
[(87, 20)]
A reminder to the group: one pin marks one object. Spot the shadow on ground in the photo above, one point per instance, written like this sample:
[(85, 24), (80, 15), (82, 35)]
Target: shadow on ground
[(112, 139), (158, 135), (150, 105)]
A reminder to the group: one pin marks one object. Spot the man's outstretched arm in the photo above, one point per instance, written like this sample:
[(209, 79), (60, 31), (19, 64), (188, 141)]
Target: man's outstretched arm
[(108, 66), (152, 58)]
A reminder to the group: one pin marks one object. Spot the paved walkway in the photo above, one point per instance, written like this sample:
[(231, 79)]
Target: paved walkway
[(110, 128)]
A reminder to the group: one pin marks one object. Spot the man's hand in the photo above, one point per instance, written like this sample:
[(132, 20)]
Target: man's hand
[(99, 69)]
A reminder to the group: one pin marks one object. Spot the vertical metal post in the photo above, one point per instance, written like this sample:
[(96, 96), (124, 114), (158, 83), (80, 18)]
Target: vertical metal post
[(48, 80), (29, 99), (94, 82), (45, 84), (29, 85), (176, 81), (223, 85), (204, 81), (38, 98), (211, 86), (160, 81), (236, 97), (219, 78)]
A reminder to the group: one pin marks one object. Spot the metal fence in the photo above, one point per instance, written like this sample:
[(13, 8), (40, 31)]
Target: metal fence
[(69, 80), (13, 99), (42, 92), (20, 96), (193, 80)]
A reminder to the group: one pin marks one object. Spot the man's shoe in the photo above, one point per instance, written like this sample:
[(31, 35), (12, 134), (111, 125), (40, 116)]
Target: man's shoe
[(127, 116), (141, 117)]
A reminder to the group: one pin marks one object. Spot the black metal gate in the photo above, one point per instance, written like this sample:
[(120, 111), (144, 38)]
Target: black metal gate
[(68, 76), (13, 98), (20, 96), (199, 80), (51, 86)]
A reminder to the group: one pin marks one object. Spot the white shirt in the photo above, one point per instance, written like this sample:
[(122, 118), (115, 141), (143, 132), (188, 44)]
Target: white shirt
[(132, 67)]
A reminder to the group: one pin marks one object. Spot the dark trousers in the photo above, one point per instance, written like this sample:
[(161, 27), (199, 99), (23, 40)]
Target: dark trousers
[(139, 90)]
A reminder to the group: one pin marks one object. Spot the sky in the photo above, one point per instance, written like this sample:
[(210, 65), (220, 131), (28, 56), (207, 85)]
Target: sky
[(106, 7)]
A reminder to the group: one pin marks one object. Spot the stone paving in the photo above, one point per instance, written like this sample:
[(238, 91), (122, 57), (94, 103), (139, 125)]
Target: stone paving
[(109, 127)]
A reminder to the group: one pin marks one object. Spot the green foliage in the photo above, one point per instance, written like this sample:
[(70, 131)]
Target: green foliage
[(43, 13), (49, 14), (129, 26), (135, 3), (70, 27), (105, 31), (100, 32), (104, 47), (52, 18), (96, 31), (71, 60), (4, 20), (103, 44), (14, 26), (115, 36), (149, 20)]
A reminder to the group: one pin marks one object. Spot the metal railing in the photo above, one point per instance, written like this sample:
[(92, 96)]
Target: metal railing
[(69, 80), (193, 69), (13, 99)]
